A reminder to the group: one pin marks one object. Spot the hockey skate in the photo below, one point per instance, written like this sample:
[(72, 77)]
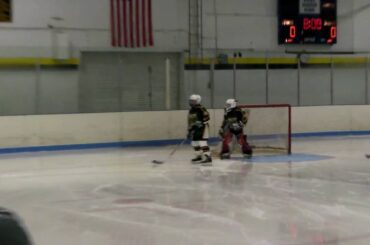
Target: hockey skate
[(247, 156), (196, 160), (207, 161), (248, 153), (225, 156)]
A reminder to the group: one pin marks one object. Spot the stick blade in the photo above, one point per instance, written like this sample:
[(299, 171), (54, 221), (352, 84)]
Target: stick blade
[(157, 162), (367, 156)]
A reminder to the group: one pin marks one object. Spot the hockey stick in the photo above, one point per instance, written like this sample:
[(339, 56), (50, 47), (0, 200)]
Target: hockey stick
[(171, 153)]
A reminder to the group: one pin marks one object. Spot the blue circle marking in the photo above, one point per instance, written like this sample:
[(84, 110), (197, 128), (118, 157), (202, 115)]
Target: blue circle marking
[(294, 158)]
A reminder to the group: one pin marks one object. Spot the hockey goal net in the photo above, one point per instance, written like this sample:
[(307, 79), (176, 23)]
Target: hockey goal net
[(268, 129)]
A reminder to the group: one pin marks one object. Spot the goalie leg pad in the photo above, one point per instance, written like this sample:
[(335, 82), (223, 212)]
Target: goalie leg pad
[(227, 139), (242, 140)]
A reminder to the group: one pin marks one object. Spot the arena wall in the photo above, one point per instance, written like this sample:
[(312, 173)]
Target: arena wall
[(78, 131)]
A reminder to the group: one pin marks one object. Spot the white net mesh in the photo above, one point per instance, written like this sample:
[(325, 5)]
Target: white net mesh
[(268, 128)]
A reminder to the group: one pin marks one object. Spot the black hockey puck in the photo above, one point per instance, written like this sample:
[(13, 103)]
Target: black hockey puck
[(157, 162)]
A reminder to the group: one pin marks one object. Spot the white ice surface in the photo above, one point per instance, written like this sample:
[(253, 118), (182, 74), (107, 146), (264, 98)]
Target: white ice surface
[(113, 197)]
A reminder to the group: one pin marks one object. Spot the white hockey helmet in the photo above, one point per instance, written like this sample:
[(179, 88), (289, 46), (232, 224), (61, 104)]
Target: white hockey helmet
[(194, 100), (230, 104)]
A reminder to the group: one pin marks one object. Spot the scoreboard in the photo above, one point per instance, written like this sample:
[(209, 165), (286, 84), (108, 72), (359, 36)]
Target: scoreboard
[(307, 22), (5, 11)]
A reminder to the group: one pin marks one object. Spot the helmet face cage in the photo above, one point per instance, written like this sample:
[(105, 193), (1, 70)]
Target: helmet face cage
[(194, 100), (230, 104)]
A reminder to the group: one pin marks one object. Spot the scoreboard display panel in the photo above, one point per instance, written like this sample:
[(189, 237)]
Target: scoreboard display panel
[(5, 11), (307, 22)]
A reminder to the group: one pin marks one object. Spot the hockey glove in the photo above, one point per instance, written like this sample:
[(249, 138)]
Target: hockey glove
[(237, 126), (198, 124)]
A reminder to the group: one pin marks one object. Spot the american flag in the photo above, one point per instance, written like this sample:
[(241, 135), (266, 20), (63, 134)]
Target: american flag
[(131, 23)]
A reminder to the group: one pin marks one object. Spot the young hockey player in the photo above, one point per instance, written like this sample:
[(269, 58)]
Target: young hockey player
[(234, 121), (198, 128)]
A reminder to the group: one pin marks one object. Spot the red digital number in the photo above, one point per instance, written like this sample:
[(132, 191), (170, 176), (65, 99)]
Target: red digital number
[(318, 24), (292, 32), (312, 24), (306, 24), (333, 32)]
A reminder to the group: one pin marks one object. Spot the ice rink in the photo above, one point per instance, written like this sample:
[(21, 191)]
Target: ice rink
[(319, 195)]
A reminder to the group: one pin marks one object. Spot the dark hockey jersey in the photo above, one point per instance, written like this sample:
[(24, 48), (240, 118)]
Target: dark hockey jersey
[(235, 115), (198, 114)]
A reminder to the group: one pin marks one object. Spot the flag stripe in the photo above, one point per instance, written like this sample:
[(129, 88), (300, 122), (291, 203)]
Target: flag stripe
[(124, 22), (131, 24), (151, 41), (112, 23), (137, 22), (118, 8), (143, 21)]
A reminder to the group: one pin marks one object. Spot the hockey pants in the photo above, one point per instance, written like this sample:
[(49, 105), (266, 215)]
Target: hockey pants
[(242, 141)]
